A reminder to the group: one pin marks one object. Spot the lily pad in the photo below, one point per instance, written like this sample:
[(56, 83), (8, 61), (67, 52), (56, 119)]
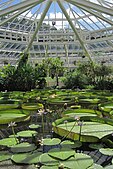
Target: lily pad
[(96, 166), (80, 161), (91, 131), (23, 147), (71, 144), (109, 167), (5, 155), (7, 116), (81, 112), (51, 142), (49, 167), (26, 133), (8, 106), (96, 146), (107, 151), (8, 142), (61, 154), (34, 126), (26, 158), (107, 107), (32, 106), (48, 160)]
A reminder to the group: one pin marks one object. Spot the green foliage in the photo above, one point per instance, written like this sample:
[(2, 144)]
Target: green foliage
[(73, 80), (54, 67)]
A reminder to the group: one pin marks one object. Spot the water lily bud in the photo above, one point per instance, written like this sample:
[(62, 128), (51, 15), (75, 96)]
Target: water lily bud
[(65, 105)]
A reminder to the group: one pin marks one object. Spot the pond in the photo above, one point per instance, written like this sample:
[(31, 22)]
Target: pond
[(62, 129)]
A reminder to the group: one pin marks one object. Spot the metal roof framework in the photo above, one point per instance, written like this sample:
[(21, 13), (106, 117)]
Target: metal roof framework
[(69, 29)]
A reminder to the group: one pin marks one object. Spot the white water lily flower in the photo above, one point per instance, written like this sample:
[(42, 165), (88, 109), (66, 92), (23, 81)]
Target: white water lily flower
[(12, 124)]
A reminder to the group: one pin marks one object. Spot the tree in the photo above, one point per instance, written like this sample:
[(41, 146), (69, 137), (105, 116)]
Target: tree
[(54, 68)]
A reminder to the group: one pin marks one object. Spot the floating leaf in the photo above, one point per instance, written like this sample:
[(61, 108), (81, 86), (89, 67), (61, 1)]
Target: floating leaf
[(96, 166), (91, 131), (109, 167), (8, 142), (51, 142), (34, 126), (32, 106), (48, 160), (26, 133), (23, 147), (71, 144), (5, 155), (96, 146), (61, 154), (80, 161), (49, 167), (26, 158), (107, 151)]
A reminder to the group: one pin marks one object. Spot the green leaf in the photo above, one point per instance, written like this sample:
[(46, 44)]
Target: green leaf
[(5, 155), (71, 144), (107, 151), (26, 158), (80, 161), (51, 142), (8, 142), (96, 166), (26, 133), (61, 154), (23, 147), (91, 131), (96, 146), (48, 160), (49, 167), (32, 106), (109, 167), (34, 126)]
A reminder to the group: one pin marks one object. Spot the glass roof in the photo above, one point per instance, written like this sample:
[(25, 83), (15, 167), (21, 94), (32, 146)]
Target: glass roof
[(49, 28)]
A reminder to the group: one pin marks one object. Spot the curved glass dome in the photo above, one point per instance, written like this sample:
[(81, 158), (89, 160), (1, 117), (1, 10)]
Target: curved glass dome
[(70, 29)]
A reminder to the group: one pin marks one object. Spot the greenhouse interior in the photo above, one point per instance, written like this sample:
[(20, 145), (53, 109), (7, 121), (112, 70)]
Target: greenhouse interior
[(56, 84)]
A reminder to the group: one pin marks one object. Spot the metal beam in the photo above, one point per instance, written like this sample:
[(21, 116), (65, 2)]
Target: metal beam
[(19, 6), (48, 4), (97, 14), (15, 15), (74, 30), (91, 5)]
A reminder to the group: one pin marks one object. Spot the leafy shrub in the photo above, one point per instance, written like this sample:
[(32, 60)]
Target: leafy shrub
[(75, 80)]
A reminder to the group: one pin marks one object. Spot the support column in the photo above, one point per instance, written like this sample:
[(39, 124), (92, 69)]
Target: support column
[(74, 30), (48, 4)]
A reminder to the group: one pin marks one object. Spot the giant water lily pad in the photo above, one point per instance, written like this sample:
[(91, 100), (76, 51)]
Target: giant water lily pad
[(109, 167), (96, 166), (51, 142), (61, 154), (49, 167), (5, 155), (27, 133), (26, 158), (23, 147), (80, 161), (7, 116), (32, 106), (8, 106), (91, 131), (8, 142), (107, 107), (71, 144), (107, 151), (96, 146), (81, 112), (48, 160), (34, 126)]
